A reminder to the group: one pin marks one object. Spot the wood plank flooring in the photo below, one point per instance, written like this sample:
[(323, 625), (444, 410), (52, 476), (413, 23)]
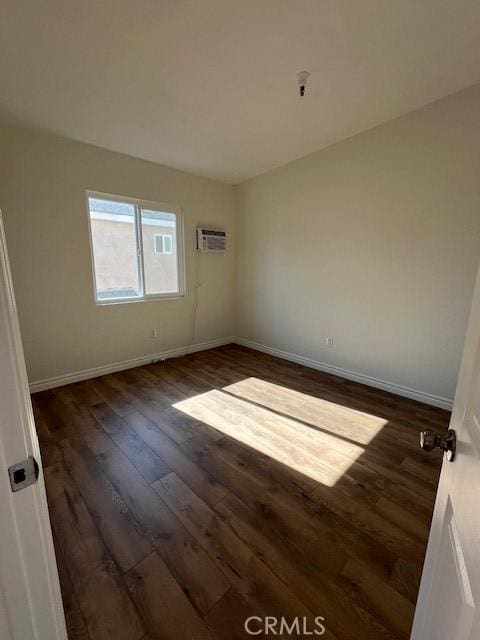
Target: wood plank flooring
[(189, 495)]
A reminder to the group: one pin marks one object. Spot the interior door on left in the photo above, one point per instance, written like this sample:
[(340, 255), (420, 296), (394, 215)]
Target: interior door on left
[(30, 599)]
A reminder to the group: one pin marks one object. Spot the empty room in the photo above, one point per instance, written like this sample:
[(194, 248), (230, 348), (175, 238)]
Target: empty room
[(240, 319)]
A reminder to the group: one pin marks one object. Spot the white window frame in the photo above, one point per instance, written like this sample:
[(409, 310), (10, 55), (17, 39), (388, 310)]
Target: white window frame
[(162, 235), (179, 235)]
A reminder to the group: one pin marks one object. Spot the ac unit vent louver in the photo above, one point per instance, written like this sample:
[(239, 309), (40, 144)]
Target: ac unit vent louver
[(211, 240)]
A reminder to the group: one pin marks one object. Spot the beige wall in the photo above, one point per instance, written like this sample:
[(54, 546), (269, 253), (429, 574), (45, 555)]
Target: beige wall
[(374, 241), (42, 196)]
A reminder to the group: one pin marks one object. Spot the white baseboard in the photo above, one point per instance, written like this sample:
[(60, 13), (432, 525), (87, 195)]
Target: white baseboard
[(421, 396), (77, 376)]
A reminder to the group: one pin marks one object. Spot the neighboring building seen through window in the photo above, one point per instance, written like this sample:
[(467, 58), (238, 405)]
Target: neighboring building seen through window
[(163, 244), (136, 250)]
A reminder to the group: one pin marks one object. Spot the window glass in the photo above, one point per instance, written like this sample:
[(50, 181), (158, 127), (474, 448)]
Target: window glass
[(159, 251), (114, 249), (167, 244)]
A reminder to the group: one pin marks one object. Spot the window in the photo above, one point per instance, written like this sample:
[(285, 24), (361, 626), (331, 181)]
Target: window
[(137, 249), (162, 243)]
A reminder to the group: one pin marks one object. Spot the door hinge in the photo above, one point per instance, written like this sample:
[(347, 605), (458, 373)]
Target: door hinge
[(23, 474)]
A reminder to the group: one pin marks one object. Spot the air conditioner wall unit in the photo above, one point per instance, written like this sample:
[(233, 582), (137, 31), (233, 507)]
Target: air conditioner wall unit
[(211, 240)]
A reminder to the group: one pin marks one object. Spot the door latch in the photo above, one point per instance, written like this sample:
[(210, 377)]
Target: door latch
[(23, 474), (429, 440)]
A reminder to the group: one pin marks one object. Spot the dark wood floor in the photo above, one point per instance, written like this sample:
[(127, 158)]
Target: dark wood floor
[(188, 496)]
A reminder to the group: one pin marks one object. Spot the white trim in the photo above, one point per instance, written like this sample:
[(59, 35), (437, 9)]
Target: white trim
[(407, 392), (164, 207), (146, 298), (77, 376)]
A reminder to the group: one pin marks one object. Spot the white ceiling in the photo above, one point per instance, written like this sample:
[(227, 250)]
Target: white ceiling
[(209, 86)]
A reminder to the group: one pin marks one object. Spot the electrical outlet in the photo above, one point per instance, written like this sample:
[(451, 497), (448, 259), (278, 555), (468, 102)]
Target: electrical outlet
[(329, 341)]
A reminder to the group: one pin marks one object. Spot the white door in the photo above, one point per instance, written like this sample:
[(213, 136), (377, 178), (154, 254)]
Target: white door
[(30, 600), (448, 606)]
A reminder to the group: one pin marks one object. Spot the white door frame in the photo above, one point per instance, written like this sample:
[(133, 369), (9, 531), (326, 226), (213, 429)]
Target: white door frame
[(30, 599), (468, 446)]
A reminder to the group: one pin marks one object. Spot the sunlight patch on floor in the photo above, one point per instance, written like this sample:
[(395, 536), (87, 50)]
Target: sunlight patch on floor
[(341, 421), (317, 454)]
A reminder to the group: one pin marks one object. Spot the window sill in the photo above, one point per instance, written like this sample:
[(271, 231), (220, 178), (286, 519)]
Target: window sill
[(166, 296)]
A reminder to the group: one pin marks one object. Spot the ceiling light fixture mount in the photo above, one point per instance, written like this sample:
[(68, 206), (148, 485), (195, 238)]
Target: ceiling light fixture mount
[(302, 78)]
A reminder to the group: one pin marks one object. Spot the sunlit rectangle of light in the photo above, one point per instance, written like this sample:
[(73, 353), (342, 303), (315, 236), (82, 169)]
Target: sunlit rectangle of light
[(318, 455), (351, 424)]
